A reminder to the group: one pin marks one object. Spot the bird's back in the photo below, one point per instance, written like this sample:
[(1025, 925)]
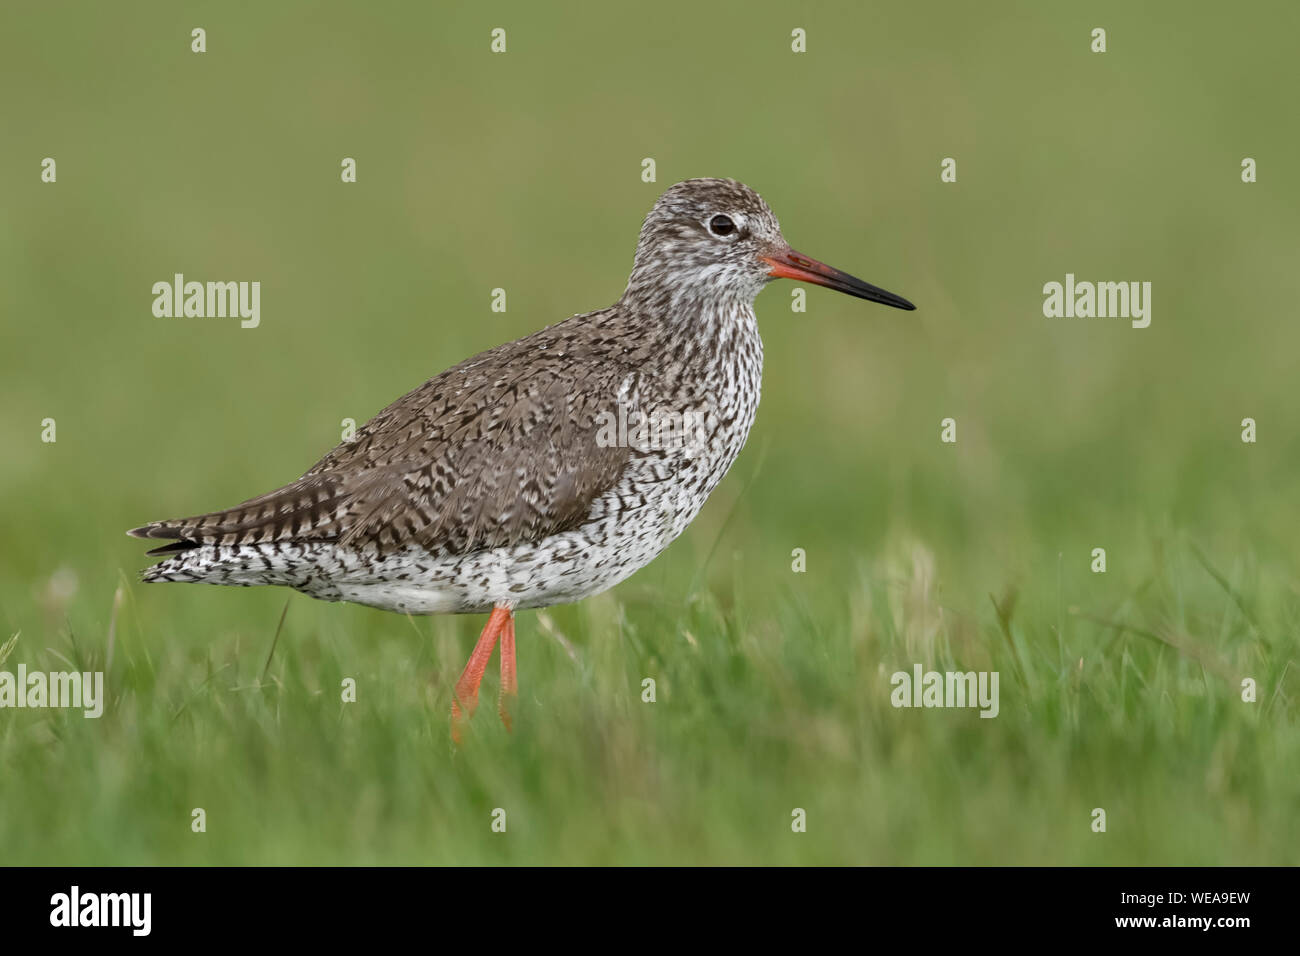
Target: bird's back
[(498, 449)]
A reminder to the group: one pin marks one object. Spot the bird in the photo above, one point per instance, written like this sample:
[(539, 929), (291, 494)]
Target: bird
[(542, 471)]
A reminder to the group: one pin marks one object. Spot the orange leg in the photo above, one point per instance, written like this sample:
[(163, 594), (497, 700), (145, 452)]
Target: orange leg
[(472, 675), (509, 680)]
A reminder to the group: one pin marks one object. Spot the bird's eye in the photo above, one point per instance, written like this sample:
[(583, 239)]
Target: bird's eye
[(721, 226)]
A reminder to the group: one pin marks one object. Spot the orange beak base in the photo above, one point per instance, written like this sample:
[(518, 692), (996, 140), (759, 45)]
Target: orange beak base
[(794, 265)]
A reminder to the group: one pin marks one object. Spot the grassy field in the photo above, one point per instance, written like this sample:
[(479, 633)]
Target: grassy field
[(1119, 690)]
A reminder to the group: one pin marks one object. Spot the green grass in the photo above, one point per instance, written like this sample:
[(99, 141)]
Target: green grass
[(763, 704), (1118, 690)]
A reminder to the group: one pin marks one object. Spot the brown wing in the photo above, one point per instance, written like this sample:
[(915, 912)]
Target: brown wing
[(497, 450)]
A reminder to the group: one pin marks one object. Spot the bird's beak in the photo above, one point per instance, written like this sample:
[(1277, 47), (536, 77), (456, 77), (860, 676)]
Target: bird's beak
[(794, 265)]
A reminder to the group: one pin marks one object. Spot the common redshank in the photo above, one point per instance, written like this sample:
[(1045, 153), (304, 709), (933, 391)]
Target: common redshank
[(541, 471)]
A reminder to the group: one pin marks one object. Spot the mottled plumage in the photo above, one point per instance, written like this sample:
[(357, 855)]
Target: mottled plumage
[(494, 484)]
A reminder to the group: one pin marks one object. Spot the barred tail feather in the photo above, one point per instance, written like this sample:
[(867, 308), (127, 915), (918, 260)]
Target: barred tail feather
[(304, 510)]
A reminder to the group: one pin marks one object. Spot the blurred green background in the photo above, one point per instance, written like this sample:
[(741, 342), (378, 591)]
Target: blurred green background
[(522, 171)]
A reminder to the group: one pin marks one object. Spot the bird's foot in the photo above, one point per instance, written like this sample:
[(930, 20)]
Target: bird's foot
[(509, 678), (500, 623)]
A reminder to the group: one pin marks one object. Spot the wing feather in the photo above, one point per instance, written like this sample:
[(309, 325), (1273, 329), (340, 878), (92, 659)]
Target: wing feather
[(498, 450)]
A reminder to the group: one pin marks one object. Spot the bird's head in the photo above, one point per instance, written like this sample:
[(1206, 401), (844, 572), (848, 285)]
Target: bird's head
[(716, 239)]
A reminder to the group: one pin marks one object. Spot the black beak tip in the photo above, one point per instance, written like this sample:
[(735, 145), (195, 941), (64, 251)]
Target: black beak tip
[(888, 298)]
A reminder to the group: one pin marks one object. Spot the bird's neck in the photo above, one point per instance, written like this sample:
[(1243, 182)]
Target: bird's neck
[(705, 339), (697, 313)]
